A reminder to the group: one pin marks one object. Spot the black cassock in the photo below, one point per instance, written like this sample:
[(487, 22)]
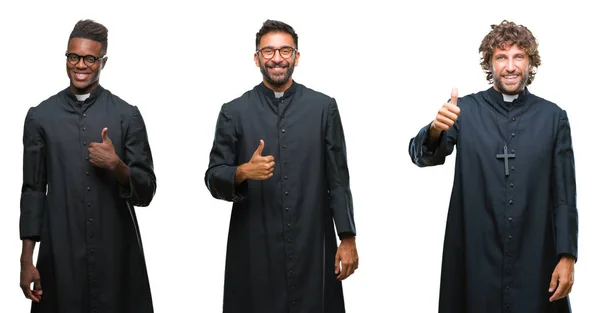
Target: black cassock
[(90, 255), (282, 240), (510, 218)]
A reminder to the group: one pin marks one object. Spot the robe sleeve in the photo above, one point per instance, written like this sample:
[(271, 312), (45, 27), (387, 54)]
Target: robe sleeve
[(138, 157), (425, 154), (33, 190), (220, 175), (340, 196), (565, 207)]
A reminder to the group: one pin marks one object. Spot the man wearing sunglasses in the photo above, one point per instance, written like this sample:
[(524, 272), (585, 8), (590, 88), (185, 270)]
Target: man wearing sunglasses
[(86, 164), (279, 156)]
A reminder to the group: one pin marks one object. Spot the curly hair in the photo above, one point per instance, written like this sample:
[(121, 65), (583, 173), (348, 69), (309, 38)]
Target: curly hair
[(91, 30), (276, 26), (504, 36)]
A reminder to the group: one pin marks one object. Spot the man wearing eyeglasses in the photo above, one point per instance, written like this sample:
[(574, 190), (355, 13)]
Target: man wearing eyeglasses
[(86, 164), (279, 156)]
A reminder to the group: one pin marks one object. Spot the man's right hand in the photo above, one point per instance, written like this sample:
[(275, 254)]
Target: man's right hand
[(30, 274), (258, 168), (448, 114)]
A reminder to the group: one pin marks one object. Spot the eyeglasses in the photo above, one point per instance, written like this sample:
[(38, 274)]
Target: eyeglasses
[(88, 60), (284, 52)]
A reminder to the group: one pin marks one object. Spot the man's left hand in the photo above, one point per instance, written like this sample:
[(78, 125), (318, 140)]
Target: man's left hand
[(102, 154), (563, 277), (348, 256)]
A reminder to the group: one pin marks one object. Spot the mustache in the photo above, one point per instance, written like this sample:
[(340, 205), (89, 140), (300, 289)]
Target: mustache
[(272, 64)]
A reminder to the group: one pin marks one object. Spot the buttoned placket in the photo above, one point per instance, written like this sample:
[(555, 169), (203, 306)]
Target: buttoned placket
[(88, 209), (288, 211), (509, 240)]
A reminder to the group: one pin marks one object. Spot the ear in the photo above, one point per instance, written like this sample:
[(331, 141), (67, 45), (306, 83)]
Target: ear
[(104, 60), (297, 58), (256, 59)]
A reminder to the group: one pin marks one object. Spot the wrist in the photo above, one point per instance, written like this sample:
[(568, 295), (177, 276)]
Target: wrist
[(240, 173), (115, 165)]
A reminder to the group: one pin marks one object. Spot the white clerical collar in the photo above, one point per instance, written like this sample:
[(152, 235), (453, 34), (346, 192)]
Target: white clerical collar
[(278, 94), (82, 97), (509, 98)]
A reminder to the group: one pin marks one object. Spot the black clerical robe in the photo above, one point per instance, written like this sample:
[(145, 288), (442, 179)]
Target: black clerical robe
[(282, 241), (509, 219), (90, 255)]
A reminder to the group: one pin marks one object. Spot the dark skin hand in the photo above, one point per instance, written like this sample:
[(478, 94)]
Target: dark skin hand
[(103, 155), (562, 278), (348, 256), (29, 273)]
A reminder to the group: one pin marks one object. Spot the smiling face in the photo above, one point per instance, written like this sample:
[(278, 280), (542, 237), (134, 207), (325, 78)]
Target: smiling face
[(510, 69), (83, 77), (277, 69)]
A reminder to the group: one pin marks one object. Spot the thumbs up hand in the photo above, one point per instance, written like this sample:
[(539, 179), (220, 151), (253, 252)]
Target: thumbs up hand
[(259, 167), (102, 154), (448, 114)]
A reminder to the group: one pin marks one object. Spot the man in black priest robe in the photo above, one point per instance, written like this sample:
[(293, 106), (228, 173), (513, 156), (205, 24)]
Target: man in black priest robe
[(86, 164), (512, 224), (279, 155)]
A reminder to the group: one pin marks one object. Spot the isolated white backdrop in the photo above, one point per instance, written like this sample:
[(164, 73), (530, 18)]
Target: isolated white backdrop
[(389, 65)]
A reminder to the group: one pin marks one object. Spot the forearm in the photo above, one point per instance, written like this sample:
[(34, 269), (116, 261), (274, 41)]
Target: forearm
[(434, 135), (27, 251), (121, 172), (431, 146), (240, 174)]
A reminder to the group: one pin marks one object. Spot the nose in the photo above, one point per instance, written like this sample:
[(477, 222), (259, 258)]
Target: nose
[(510, 65), (80, 64), (277, 57)]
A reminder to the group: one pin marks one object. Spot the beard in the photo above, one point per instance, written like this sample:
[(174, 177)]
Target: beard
[(510, 89), (277, 79)]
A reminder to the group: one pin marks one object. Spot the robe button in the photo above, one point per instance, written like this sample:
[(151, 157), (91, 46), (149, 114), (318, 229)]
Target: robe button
[(293, 287), (289, 257), (91, 219), (287, 192), (291, 272), (281, 115), (512, 185), (512, 168), (283, 130), (287, 209), (510, 219), (87, 158), (509, 237), (285, 177), (289, 240), (514, 118), (507, 271), (507, 288), (84, 129), (88, 188), (512, 151), (510, 201), (91, 235), (513, 134), (84, 115), (89, 204), (289, 225), (87, 173), (85, 143), (284, 146)]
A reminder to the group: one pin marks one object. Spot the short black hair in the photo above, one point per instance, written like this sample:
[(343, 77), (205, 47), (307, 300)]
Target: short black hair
[(276, 26), (91, 30)]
